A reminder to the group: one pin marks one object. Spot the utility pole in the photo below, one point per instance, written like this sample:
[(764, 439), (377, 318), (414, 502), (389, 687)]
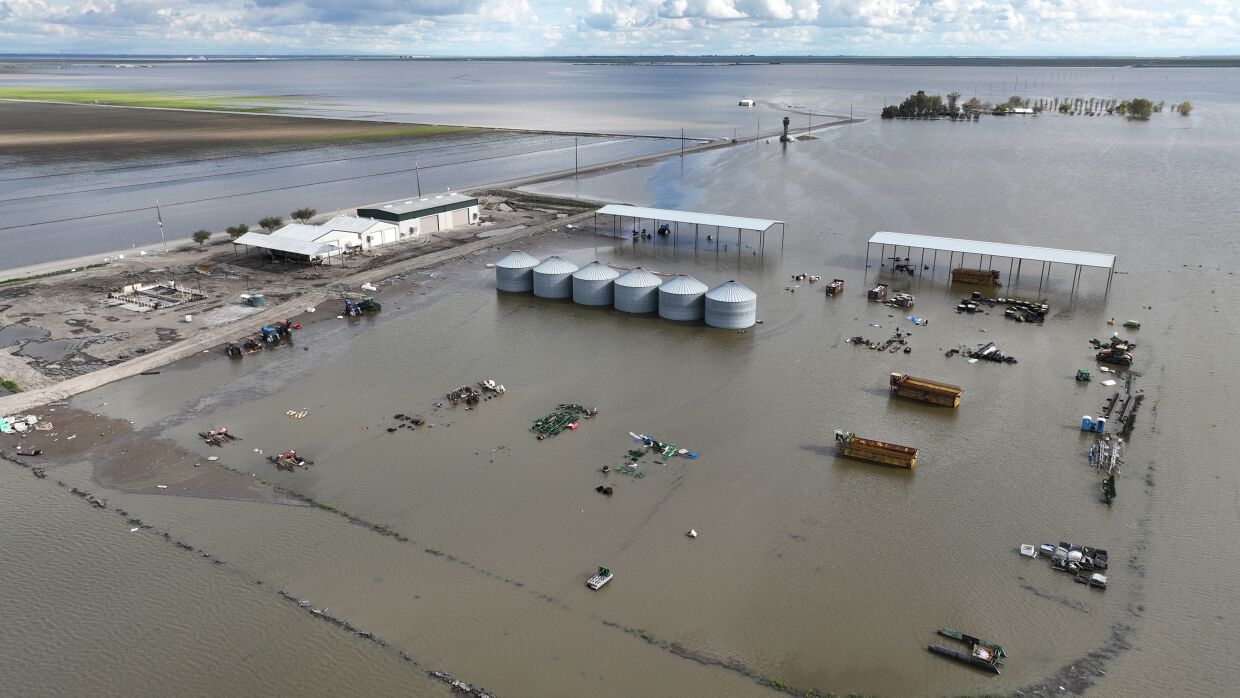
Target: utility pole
[(682, 142), (160, 217), (575, 161), (418, 173)]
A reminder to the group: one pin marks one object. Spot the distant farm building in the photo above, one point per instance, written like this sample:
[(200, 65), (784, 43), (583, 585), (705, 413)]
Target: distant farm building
[(315, 244), (426, 215)]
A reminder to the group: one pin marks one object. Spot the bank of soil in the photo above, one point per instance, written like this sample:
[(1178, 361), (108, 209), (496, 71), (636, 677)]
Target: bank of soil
[(49, 133)]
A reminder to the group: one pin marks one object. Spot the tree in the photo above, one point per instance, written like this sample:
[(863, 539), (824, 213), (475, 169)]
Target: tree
[(236, 231), (952, 99), (1140, 109), (1064, 108), (302, 215), (270, 223), (974, 104), (1184, 107), (201, 238)]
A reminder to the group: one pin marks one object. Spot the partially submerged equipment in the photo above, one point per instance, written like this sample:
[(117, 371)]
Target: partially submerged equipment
[(925, 390), (853, 446), (983, 655), (603, 576)]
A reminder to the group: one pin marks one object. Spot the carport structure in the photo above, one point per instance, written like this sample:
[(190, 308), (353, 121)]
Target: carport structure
[(637, 214), (986, 253)]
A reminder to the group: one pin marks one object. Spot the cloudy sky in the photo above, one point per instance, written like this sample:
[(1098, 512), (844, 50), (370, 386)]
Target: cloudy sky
[(630, 27)]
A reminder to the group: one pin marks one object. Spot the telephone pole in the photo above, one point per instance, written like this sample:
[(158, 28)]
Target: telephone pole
[(418, 173), (160, 218)]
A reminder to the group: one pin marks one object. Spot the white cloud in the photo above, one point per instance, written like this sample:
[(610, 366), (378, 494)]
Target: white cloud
[(531, 27)]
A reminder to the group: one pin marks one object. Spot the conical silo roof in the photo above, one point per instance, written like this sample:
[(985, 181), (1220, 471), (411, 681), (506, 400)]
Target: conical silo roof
[(639, 278), (517, 260), (683, 286), (731, 292), (555, 265), (595, 271)]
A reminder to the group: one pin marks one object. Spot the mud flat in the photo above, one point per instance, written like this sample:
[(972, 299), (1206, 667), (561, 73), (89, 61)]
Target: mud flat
[(51, 132)]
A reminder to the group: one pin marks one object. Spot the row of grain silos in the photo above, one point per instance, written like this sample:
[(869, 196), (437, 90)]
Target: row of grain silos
[(729, 305)]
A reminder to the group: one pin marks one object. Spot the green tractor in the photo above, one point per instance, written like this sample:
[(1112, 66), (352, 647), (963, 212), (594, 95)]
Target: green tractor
[(367, 304)]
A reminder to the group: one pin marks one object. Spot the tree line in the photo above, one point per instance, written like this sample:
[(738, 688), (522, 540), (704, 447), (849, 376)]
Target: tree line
[(268, 223), (924, 106)]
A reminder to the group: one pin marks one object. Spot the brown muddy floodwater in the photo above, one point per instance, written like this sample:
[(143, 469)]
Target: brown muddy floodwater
[(810, 571)]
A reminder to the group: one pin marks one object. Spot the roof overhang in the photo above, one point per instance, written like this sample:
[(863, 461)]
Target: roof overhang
[(712, 219), (996, 249), (289, 245)]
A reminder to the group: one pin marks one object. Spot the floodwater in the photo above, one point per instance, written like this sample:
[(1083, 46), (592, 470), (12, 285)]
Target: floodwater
[(809, 571)]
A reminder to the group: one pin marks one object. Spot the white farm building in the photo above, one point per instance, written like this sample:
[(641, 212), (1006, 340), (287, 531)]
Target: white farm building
[(316, 244), (425, 215)]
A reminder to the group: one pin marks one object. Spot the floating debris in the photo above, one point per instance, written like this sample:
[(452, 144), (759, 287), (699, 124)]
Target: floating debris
[(565, 416)]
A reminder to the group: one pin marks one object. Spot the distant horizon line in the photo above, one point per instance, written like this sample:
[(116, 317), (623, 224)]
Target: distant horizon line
[(596, 56)]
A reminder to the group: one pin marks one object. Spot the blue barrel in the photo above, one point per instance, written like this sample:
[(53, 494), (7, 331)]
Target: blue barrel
[(257, 300), (1087, 423)]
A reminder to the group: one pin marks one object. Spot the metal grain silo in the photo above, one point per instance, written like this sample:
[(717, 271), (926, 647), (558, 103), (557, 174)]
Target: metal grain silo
[(592, 285), (731, 306), (553, 278), (637, 292), (682, 298), (515, 272)]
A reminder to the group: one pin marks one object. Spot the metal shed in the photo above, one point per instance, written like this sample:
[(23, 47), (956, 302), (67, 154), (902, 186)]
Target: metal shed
[(637, 292), (553, 278), (682, 298), (731, 306), (514, 272), (592, 284)]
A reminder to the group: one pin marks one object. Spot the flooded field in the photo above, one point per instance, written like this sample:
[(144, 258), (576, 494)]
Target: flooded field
[(809, 571)]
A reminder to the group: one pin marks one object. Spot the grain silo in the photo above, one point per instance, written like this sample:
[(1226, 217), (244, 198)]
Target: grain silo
[(731, 306), (637, 292), (553, 278), (682, 298), (592, 285), (515, 272)]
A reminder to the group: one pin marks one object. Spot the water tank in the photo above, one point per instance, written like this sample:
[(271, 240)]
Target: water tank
[(592, 284), (553, 278), (515, 272), (637, 292), (682, 298), (731, 306)]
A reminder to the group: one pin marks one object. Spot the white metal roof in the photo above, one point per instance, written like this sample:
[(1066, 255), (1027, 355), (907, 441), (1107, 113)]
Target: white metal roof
[(300, 231), (595, 271), (517, 260), (638, 278), (731, 292), (669, 215), (353, 224), (997, 249), (555, 265), (285, 244), (683, 286)]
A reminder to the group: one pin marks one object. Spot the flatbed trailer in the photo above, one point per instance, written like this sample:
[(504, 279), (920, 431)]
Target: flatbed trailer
[(853, 446), (925, 390)]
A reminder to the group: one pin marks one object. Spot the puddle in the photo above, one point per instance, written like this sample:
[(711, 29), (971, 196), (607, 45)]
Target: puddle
[(18, 333), (52, 349)]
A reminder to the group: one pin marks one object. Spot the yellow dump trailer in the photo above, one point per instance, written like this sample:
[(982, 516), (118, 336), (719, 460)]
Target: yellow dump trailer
[(926, 390), (853, 446)]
